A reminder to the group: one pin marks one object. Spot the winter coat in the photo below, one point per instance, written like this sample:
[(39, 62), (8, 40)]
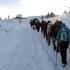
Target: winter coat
[(49, 27), (55, 29), (63, 33)]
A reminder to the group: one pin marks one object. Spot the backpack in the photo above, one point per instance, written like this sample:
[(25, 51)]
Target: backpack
[(63, 33)]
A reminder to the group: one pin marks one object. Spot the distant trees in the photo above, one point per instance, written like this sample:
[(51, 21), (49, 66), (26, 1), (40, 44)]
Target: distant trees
[(19, 16), (69, 11), (65, 11), (47, 15), (0, 18), (42, 17), (50, 15), (8, 16)]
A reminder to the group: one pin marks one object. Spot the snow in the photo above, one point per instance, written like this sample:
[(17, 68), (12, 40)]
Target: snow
[(66, 19), (22, 48)]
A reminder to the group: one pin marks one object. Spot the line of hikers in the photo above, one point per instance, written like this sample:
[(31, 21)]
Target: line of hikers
[(57, 33)]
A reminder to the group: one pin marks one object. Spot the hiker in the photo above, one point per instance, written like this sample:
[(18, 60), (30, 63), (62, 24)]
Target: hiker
[(43, 27), (55, 28), (38, 26), (48, 36), (63, 38)]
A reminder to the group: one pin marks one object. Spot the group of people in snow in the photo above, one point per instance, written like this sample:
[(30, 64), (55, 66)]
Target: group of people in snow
[(58, 34)]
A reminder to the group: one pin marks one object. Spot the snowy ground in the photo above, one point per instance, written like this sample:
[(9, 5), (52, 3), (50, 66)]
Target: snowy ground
[(22, 48)]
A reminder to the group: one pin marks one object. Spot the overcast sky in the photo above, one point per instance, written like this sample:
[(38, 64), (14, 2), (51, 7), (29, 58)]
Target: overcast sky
[(10, 2), (32, 7)]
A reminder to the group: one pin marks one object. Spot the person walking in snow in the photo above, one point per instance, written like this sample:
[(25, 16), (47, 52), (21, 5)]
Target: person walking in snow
[(43, 28), (49, 31), (38, 25), (55, 28), (63, 38)]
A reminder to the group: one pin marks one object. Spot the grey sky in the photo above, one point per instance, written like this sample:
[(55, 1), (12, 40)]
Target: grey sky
[(10, 2), (32, 7)]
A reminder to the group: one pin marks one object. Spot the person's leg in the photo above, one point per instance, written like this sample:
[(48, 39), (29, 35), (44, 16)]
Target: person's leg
[(48, 38), (53, 42), (57, 47), (63, 52), (63, 56)]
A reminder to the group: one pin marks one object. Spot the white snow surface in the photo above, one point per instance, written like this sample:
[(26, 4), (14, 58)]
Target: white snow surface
[(22, 48)]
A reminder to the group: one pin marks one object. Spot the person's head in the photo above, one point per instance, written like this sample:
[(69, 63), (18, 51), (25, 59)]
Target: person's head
[(57, 25), (48, 21)]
